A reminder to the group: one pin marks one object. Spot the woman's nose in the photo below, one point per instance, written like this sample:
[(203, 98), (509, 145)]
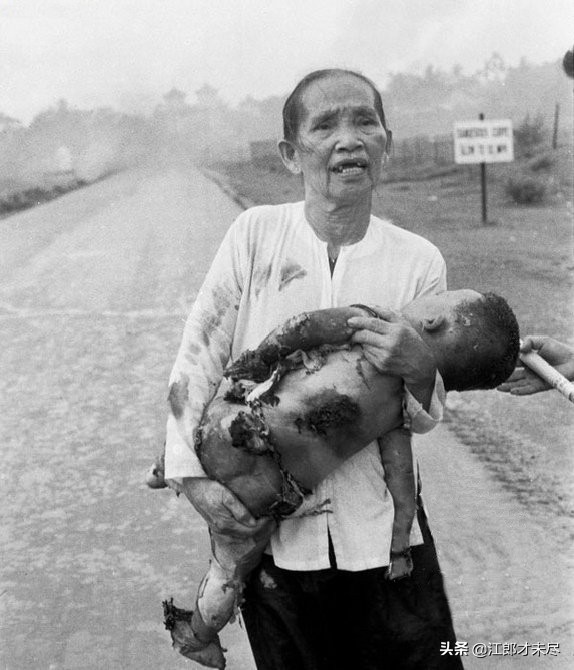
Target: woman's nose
[(348, 139)]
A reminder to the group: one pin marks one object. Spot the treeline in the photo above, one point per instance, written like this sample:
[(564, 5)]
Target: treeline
[(432, 102), (87, 144), (66, 141)]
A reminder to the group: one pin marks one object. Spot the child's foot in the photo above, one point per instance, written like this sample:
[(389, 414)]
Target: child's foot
[(401, 565), (155, 475), (178, 622)]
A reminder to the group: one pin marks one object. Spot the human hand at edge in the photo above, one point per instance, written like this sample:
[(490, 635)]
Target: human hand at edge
[(525, 382), (221, 509)]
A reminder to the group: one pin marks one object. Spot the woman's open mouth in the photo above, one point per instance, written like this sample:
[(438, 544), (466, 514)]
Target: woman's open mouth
[(350, 167)]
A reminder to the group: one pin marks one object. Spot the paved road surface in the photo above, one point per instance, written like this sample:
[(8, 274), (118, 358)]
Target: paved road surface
[(94, 288)]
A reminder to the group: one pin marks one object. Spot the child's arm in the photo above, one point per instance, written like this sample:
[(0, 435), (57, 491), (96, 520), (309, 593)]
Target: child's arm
[(397, 457)]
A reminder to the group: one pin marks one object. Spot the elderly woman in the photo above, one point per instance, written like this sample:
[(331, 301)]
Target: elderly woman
[(319, 599)]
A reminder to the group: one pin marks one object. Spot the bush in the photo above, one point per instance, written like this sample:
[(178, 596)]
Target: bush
[(525, 189), (529, 135), (35, 195), (542, 162)]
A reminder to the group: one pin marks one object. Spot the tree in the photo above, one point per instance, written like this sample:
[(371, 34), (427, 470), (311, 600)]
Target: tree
[(494, 68), (530, 134), (8, 122), (568, 63)]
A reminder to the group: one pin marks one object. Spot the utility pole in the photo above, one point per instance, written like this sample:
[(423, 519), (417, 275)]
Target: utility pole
[(555, 131), (483, 182)]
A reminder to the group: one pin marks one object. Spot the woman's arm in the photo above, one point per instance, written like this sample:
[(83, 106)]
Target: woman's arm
[(194, 380), (204, 351)]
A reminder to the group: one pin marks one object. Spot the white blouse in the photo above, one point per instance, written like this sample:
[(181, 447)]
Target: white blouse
[(269, 267)]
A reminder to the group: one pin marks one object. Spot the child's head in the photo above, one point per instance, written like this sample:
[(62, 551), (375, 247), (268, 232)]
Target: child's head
[(473, 336)]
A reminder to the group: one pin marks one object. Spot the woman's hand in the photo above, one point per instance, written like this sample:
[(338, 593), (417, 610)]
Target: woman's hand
[(393, 347), (222, 510), (524, 382)]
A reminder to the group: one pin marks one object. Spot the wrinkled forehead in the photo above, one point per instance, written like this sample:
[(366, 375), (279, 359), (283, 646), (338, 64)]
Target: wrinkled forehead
[(336, 93)]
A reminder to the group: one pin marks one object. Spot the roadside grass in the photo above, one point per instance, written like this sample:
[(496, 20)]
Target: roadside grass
[(525, 254), (16, 196)]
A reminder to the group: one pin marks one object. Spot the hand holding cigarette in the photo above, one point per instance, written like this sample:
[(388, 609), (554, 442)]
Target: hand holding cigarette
[(547, 363)]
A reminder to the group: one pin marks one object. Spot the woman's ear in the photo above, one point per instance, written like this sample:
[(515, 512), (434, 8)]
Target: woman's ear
[(434, 323), (389, 143), (289, 156)]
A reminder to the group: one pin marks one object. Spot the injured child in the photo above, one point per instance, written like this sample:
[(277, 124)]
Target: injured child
[(305, 401)]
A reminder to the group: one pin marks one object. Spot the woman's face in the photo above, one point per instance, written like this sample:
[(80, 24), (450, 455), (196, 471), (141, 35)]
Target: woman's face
[(341, 140)]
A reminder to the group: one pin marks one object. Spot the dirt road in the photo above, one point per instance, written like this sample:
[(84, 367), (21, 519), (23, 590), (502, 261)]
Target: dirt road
[(94, 288)]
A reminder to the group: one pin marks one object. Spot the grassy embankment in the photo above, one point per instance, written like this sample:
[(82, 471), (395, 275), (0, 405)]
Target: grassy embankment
[(17, 195), (525, 254)]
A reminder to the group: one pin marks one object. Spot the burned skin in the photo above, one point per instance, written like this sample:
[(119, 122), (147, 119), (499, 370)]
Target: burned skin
[(315, 422), (305, 331), (319, 421)]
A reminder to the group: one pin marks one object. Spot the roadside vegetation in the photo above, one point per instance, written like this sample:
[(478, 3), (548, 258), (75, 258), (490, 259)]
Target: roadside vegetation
[(15, 197)]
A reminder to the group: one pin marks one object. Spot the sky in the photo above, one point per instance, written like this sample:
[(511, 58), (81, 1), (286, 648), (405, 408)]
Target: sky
[(127, 53)]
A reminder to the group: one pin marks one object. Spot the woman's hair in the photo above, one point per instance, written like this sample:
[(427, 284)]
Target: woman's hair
[(489, 343), (293, 109)]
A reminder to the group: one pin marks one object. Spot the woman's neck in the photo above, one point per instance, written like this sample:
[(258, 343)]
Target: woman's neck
[(338, 224)]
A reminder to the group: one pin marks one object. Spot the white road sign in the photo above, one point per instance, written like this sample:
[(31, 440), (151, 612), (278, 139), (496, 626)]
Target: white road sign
[(485, 141)]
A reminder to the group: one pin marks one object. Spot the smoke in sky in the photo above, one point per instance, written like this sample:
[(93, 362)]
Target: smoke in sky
[(127, 53)]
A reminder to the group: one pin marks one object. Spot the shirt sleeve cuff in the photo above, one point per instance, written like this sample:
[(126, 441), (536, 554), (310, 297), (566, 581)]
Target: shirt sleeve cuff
[(180, 460), (415, 417)]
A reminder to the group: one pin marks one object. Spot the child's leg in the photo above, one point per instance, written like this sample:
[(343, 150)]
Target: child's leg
[(195, 634), (397, 457)]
